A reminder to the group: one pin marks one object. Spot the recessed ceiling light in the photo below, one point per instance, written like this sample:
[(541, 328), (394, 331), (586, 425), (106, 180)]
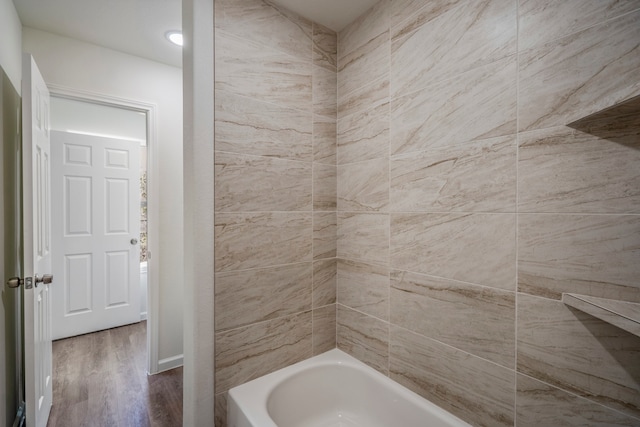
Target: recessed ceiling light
[(174, 37)]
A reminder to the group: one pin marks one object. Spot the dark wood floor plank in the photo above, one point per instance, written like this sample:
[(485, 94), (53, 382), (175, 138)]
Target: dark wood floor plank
[(100, 380)]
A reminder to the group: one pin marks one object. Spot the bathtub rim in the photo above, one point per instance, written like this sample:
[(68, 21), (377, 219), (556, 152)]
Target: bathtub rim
[(260, 389)]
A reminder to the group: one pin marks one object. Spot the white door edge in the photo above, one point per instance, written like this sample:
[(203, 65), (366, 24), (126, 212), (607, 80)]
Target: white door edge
[(36, 245)]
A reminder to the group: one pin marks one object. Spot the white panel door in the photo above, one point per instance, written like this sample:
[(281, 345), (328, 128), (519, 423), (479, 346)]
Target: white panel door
[(37, 244), (96, 212)]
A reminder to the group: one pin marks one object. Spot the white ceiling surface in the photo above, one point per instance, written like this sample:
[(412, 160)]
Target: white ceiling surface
[(334, 14), (138, 27)]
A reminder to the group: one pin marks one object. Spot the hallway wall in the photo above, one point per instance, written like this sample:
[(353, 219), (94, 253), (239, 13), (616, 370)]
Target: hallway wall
[(83, 66), (11, 63), (11, 46)]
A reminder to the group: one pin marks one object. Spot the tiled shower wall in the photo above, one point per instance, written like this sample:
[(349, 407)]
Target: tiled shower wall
[(275, 192), (466, 205)]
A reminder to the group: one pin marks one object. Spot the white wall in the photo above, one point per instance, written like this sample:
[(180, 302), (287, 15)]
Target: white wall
[(11, 62), (10, 42), (82, 66)]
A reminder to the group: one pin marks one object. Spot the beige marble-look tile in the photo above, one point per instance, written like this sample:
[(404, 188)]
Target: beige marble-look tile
[(363, 135), (254, 183), (476, 319), (477, 248), (247, 126), (324, 187), (367, 27), (324, 140), (364, 337), (477, 176), (540, 404), (324, 235), (324, 329), (250, 296), (542, 21), (266, 23), (364, 186), (220, 412), (246, 353), (594, 255), (364, 65), (367, 97), (479, 104), (418, 11), (566, 170), (324, 92), (324, 282), (473, 34), (364, 236), (573, 77), (325, 47), (256, 71), (253, 240), (579, 353), (474, 389), (364, 287)]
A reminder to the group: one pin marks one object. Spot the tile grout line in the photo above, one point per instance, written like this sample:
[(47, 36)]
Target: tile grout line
[(264, 321), (264, 101), (605, 22), (456, 349), (274, 158), (314, 167), (390, 76), (338, 38), (313, 189), (517, 216), (578, 396)]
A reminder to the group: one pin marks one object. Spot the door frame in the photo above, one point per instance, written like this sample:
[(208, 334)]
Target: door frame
[(153, 233)]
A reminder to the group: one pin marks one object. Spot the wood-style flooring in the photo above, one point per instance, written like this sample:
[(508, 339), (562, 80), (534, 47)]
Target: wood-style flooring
[(100, 380)]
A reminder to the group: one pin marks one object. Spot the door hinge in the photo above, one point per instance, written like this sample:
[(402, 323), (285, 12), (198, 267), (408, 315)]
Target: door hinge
[(20, 416)]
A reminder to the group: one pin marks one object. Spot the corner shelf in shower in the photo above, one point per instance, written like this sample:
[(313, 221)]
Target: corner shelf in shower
[(627, 107), (625, 315)]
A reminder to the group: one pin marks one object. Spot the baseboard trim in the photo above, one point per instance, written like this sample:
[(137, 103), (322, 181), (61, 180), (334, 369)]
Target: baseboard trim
[(143, 316), (170, 363)]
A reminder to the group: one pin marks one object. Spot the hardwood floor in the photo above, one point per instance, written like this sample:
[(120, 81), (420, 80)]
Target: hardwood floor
[(100, 380)]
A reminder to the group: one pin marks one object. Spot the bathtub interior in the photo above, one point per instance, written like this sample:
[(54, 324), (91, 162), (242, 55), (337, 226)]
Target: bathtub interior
[(332, 390), (339, 395)]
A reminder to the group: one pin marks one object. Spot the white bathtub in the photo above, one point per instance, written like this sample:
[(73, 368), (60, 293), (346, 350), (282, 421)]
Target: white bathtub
[(331, 390), (143, 290)]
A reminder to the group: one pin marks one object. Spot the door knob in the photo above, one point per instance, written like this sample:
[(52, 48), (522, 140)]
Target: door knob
[(134, 241), (46, 279), (14, 282)]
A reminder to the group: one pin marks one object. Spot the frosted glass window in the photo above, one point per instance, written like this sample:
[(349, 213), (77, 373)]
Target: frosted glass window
[(71, 115)]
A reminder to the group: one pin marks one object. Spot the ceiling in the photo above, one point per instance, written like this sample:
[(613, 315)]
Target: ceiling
[(137, 27), (334, 14)]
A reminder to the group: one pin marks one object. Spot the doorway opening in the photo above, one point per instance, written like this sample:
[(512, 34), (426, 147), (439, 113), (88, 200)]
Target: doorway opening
[(109, 283)]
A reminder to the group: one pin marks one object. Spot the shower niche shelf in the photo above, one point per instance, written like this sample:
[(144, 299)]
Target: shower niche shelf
[(630, 106), (625, 315)]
